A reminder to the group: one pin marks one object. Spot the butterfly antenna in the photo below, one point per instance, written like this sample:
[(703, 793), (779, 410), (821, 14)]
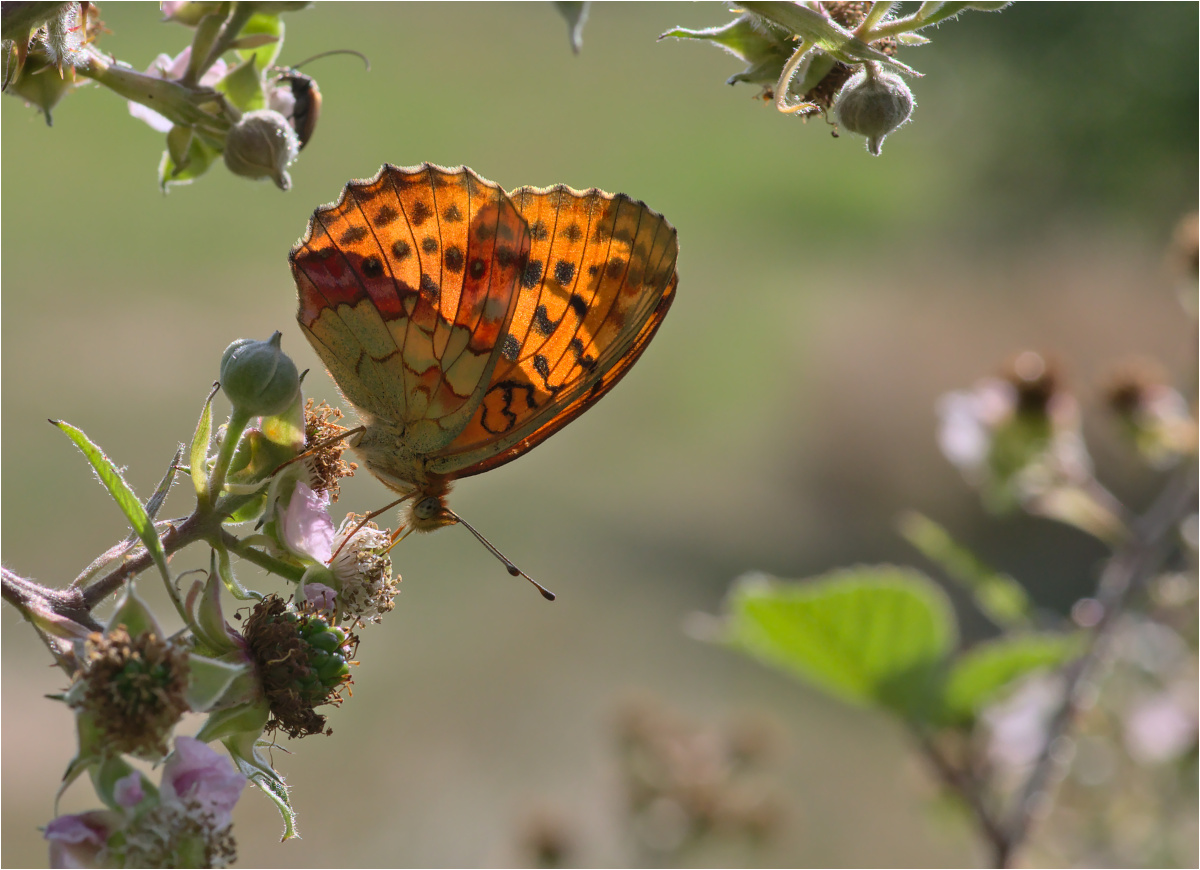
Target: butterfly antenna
[(367, 519), (512, 569), (357, 54)]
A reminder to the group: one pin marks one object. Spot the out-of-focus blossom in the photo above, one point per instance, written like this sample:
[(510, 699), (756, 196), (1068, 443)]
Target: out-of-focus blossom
[(172, 68), (305, 525), (128, 791), (1153, 415), (79, 840), (197, 774), (1160, 728), (1017, 726), (968, 419)]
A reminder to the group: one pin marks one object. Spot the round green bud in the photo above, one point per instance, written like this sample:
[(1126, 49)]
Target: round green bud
[(258, 377), (873, 103), (262, 145)]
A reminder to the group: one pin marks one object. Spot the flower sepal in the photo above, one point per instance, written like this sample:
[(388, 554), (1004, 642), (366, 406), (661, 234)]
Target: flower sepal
[(243, 748), (133, 613)]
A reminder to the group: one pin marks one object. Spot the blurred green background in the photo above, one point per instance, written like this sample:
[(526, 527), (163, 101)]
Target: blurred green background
[(780, 421)]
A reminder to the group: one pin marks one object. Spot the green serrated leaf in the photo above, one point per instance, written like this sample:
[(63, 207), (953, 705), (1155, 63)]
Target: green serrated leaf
[(262, 27), (998, 596), (871, 635), (979, 676), (824, 32), (198, 455), (243, 86), (121, 493)]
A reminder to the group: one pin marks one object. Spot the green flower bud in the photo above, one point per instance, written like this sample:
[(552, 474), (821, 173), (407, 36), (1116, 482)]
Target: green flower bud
[(258, 377), (873, 104), (262, 145)]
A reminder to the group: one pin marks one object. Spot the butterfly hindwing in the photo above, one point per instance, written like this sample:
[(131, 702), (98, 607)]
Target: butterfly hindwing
[(599, 280)]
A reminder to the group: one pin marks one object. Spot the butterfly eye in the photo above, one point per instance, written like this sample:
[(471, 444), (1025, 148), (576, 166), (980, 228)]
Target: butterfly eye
[(427, 508)]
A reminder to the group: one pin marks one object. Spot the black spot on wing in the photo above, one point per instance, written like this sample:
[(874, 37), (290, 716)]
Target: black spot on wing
[(353, 235), (564, 272), (372, 267), (532, 274), (542, 322), (578, 305)]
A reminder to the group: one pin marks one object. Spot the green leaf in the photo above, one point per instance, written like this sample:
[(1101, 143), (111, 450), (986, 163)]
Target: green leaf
[(261, 27), (912, 39), (575, 15), (824, 32), (243, 86), (121, 493), (198, 456), (998, 596), (981, 674), (870, 635), (199, 158)]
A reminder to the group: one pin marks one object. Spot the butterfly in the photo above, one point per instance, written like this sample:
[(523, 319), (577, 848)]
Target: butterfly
[(466, 325)]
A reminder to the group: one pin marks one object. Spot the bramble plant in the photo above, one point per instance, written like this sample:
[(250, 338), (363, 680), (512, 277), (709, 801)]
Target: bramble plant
[(997, 721)]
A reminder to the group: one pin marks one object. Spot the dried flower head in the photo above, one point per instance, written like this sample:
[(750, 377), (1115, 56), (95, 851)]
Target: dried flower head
[(303, 662), (325, 464), (134, 688)]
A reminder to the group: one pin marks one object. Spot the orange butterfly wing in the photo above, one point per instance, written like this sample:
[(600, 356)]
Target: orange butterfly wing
[(599, 280), (406, 286)]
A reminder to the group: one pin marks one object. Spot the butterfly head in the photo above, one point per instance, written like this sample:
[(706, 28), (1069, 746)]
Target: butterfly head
[(429, 512)]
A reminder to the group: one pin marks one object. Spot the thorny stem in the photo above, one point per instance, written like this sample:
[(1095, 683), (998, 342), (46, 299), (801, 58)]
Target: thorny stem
[(261, 559), (966, 786), (1150, 542)]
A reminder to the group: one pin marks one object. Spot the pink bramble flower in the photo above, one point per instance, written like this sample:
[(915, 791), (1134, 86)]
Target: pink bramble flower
[(195, 774), (81, 840), (305, 527)]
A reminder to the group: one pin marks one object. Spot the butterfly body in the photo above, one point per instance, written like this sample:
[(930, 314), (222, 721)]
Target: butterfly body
[(466, 324)]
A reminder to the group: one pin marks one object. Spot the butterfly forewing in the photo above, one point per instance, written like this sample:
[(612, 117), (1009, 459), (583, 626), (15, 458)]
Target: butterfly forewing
[(406, 287), (599, 280)]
